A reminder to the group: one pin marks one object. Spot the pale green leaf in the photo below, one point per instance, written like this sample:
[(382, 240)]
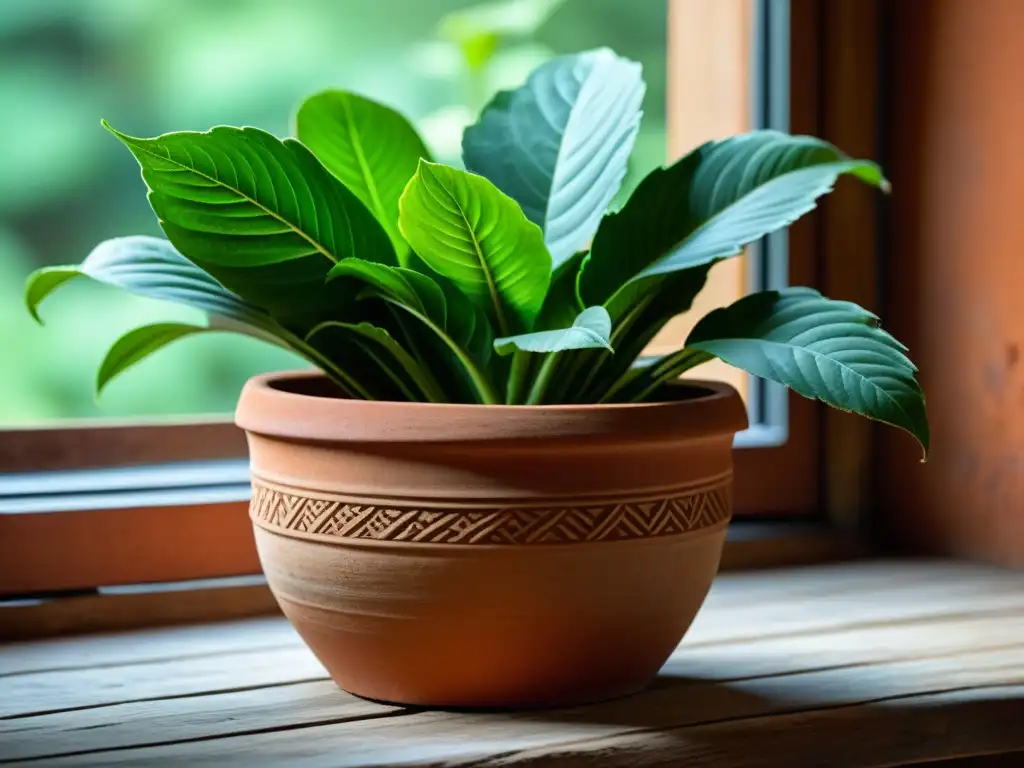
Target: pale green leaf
[(591, 329), (371, 148), (559, 145), (151, 267), (710, 204), (830, 350), (469, 232)]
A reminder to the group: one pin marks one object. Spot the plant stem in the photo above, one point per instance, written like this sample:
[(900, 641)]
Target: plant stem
[(517, 376), (349, 385), (484, 389), (395, 378), (540, 384), (430, 385), (617, 334), (672, 367)]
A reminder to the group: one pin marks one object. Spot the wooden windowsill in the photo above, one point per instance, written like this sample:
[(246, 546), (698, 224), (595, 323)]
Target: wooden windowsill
[(866, 664)]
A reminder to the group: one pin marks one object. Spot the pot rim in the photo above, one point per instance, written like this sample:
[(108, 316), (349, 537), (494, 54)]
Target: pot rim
[(267, 409)]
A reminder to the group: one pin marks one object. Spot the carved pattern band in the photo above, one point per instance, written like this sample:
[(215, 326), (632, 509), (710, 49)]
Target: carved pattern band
[(671, 516)]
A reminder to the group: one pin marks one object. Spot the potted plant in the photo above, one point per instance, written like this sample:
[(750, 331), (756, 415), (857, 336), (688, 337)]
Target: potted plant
[(485, 496)]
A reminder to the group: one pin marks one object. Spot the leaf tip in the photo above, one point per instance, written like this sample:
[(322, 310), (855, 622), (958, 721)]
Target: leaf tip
[(103, 377), (885, 186)]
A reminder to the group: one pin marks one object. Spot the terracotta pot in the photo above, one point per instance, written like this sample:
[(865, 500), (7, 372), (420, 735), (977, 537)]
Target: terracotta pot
[(489, 556)]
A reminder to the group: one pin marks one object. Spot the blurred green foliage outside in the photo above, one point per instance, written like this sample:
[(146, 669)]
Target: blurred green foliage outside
[(151, 66)]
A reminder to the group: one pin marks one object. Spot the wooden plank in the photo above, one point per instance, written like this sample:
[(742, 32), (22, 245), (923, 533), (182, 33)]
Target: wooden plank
[(146, 645), (915, 730), (863, 576), (267, 709), (94, 687), (846, 611), (445, 737), (92, 443), (22, 620), (202, 717), (53, 551), (766, 546), (947, 588), (116, 612)]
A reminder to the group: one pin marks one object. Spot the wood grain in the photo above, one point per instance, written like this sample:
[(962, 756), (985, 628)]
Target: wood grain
[(750, 545), (850, 231), (47, 552), (233, 712), (857, 665), (954, 277), (99, 443), (104, 612), (428, 737)]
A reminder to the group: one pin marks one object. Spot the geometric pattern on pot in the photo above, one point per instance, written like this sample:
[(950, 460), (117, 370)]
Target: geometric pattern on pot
[(679, 513)]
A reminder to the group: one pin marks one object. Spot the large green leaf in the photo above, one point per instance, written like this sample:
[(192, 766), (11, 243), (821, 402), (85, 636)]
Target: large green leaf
[(710, 204), (261, 215), (591, 329), (371, 148), (830, 350), (468, 231), (447, 314), (140, 343), (559, 144), (151, 267)]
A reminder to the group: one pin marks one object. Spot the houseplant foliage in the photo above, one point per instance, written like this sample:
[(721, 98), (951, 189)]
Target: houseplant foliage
[(508, 282)]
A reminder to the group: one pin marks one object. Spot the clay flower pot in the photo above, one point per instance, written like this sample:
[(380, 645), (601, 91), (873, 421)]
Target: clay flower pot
[(489, 556)]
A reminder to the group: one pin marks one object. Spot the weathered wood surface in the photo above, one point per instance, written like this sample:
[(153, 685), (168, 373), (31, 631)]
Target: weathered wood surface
[(866, 664)]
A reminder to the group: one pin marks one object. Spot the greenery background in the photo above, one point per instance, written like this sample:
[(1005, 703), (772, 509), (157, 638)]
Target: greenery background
[(151, 66)]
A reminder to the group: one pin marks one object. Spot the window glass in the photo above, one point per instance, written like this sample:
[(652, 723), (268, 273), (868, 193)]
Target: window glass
[(161, 65)]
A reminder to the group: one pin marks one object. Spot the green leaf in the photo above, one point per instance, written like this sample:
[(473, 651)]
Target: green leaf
[(371, 148), (711, 203), (140, 343), (151, 267), (432, 297), (398, 365), (559, 145), (261, 215), (448, 315), (44, 281), (591, 329), (410, 288), (601, 375), (468, 231), (830, 350)]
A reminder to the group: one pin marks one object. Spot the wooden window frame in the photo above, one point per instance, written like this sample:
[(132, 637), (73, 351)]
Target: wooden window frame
[(818, 475)]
